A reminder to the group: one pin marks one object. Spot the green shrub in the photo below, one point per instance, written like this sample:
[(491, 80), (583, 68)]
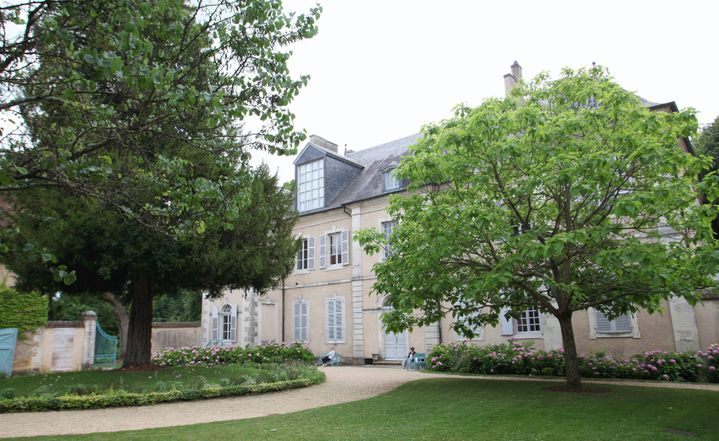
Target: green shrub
[(199, 355), (710, 363), (7, 393), (24, 311)]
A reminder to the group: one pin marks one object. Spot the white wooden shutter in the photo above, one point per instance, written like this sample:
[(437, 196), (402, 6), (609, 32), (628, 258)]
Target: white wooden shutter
[(296, 321), (339, 319), (505, 323), (623, 323), (214, 324), (604, 325), (303, 321), (311, 252), (323, 251), (345, 248), (233, 323), (330, 305)]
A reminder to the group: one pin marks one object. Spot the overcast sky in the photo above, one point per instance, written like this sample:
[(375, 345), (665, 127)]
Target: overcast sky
[(381, 69)]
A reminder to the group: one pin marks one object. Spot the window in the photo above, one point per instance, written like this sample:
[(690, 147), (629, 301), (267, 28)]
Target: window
[(335, 248), (387, 229), (390, 180), (224, 324), (335, 307), (529, 321), (620, 325), (300, 320), (311, 185), (306, 254)]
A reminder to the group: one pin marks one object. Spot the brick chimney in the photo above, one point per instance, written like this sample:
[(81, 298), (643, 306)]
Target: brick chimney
[(321, 142), (511, 79)]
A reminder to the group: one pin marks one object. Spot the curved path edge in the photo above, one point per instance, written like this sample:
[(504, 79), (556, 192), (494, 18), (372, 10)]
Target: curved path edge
[(343, 384)]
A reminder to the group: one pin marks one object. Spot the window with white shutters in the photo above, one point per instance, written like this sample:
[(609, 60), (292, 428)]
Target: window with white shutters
[(300, 320), (306, 254), (335, 307), (620, 325), (336, 245), (228, 323)]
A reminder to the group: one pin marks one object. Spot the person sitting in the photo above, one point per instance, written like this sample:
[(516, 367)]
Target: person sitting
[(405, 362), (327, 358)]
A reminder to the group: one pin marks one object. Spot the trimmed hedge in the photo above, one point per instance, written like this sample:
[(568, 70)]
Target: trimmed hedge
[(514, 358), (24, 311), (272, 353), (121, 398)]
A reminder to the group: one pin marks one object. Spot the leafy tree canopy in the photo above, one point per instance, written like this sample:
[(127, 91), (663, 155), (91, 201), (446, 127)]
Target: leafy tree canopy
[(568, 194)]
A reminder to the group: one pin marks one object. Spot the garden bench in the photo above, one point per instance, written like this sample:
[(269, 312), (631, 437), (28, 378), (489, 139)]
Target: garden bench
[(335, 361), (419, 361)]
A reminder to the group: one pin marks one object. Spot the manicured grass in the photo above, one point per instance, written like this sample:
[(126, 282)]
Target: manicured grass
[(131, 381), (465, 409)]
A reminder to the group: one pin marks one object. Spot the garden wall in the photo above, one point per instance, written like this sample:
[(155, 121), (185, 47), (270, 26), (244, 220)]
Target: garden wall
[(175, 335), (58, 346)]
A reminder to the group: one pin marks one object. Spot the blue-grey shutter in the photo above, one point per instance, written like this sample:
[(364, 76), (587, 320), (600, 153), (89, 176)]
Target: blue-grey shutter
[(298, 260), (323, 251), (506, 326), (214, 324), (311, 252), (604, 325), (233, 323), (303, 322), (330, 305), (345, 247)]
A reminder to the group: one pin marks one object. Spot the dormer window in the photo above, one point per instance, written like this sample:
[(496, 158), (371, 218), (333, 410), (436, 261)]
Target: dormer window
[(311, 186), (390, 180)]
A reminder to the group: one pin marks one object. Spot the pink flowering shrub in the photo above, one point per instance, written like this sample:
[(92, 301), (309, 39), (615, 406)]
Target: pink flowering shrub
[(210, 355), (710, 362), (517, 358)]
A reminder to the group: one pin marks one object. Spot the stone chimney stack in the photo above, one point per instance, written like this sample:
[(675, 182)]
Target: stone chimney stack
[(321, 142), (511, 79)]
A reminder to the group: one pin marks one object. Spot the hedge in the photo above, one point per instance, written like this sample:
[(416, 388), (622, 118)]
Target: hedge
[(24, 311), (122, 398), (271, 353)]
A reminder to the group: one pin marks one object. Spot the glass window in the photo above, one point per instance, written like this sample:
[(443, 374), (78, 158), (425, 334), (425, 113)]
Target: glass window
[(387, 229), (390, 180), (303, 255), (335, 240), (311, 186), (529, 321), (226, 323)]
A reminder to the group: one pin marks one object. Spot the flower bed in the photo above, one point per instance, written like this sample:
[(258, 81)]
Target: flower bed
[(272, 353), (515, 358)]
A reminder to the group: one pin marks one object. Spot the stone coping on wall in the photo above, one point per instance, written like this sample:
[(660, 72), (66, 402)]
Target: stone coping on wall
[(65, 324), (175, 325)]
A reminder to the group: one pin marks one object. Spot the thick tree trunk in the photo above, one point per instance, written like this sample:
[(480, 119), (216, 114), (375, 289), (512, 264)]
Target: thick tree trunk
[(139, 335), (123, 320), (571, 362)]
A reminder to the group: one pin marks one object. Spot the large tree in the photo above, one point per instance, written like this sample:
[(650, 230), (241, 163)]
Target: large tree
[(140, 117), (110, 253), (567, 195), (707, 143)]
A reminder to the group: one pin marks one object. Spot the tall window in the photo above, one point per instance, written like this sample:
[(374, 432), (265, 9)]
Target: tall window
[(335, 248), (227, 323), (311, 187), (387, 229), (529, 321), (335, 319), (390, 180), (306, 254), (620, 325), (300, 320)]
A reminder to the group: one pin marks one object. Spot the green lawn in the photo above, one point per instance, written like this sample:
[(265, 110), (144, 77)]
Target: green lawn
[(131, 381), (464, 409)]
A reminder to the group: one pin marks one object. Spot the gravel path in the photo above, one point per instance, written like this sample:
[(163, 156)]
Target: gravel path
[(343, 384)]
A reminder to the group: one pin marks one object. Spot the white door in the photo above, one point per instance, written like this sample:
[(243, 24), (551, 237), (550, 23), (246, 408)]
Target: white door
[(395, 346)]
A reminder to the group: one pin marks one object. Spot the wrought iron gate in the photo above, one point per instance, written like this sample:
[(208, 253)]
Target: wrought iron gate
[(105, 348)]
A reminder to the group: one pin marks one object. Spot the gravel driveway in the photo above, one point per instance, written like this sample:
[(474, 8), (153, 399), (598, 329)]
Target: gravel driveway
[(346, 383)]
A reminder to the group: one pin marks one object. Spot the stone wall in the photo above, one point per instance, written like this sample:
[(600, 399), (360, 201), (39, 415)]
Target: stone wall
[(175, 335)]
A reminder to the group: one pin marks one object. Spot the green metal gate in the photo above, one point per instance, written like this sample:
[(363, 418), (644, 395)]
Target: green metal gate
[(105, 348), (8, 338)]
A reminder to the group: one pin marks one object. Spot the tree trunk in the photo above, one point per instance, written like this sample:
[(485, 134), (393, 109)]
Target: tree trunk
[(139, 335), (123, 319), (571, 362)]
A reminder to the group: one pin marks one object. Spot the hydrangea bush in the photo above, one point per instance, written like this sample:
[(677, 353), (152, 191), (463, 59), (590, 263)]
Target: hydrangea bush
[(517, 358), (210, 355)]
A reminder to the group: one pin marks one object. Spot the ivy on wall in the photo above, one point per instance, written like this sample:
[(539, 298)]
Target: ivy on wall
[(24, 311)]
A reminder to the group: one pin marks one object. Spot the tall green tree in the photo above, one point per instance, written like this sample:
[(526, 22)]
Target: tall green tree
[(112, 254), (569, 194)]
